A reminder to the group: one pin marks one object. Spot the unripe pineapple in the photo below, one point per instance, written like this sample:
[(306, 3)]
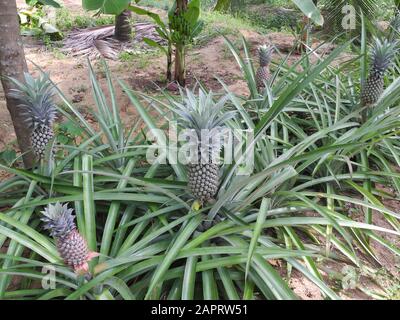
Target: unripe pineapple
[(203, 117), (71, 246), (203, 180), (36, 98), (382, 54), (263, 73)]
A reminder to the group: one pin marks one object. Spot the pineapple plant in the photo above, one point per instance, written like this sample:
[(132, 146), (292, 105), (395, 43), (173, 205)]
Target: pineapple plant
[(394, 32), (383, 52), (204, 119), (36, 98), (263, 73), (71, 246)]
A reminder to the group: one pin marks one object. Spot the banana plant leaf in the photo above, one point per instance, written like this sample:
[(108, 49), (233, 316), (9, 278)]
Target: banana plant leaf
[(310, 10), (107, 6), (35, 24), (51, 3)]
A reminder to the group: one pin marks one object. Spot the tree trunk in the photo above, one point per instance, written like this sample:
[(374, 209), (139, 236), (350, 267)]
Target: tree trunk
[(13, 64), (180, 65), (181, 5), (169, 63), (123, 29), (180, 72)]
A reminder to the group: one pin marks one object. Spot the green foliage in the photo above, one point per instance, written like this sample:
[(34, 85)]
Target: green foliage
[(125, 56), (310, 10), (293, 206), (179, 29), (66, 21), (51, 3), (306, 6), (307, 137), (222, 5), (160, 4), (163, 31), (369, 8), (272, 20), (138, 59), (216, 24), (114, 7), (107, 6), (33, 22), (185, 26), (178, 32), (8, 157), (67, 132)]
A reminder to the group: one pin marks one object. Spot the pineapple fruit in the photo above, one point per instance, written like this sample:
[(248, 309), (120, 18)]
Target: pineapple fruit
[(203, 117), (71, 246), (263, 73), (382, 53), (36, 98)]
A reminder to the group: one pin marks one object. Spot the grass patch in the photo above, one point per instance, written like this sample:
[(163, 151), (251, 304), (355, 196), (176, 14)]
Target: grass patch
[(272, 19), (66, 21), (160, 4), (139, 59), (217, 24)]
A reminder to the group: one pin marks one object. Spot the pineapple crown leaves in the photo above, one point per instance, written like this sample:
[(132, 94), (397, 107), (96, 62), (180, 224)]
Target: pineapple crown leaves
[(382, 52), (202, 113), (205, 119), (265, 54), (36, 98), (58, 219)]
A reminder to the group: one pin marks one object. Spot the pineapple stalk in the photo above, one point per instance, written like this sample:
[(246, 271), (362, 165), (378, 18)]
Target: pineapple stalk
[(382, 54), (71, 246)]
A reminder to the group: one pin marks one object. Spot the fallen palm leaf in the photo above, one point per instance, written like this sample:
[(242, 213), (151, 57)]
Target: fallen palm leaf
[(100, 41)]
